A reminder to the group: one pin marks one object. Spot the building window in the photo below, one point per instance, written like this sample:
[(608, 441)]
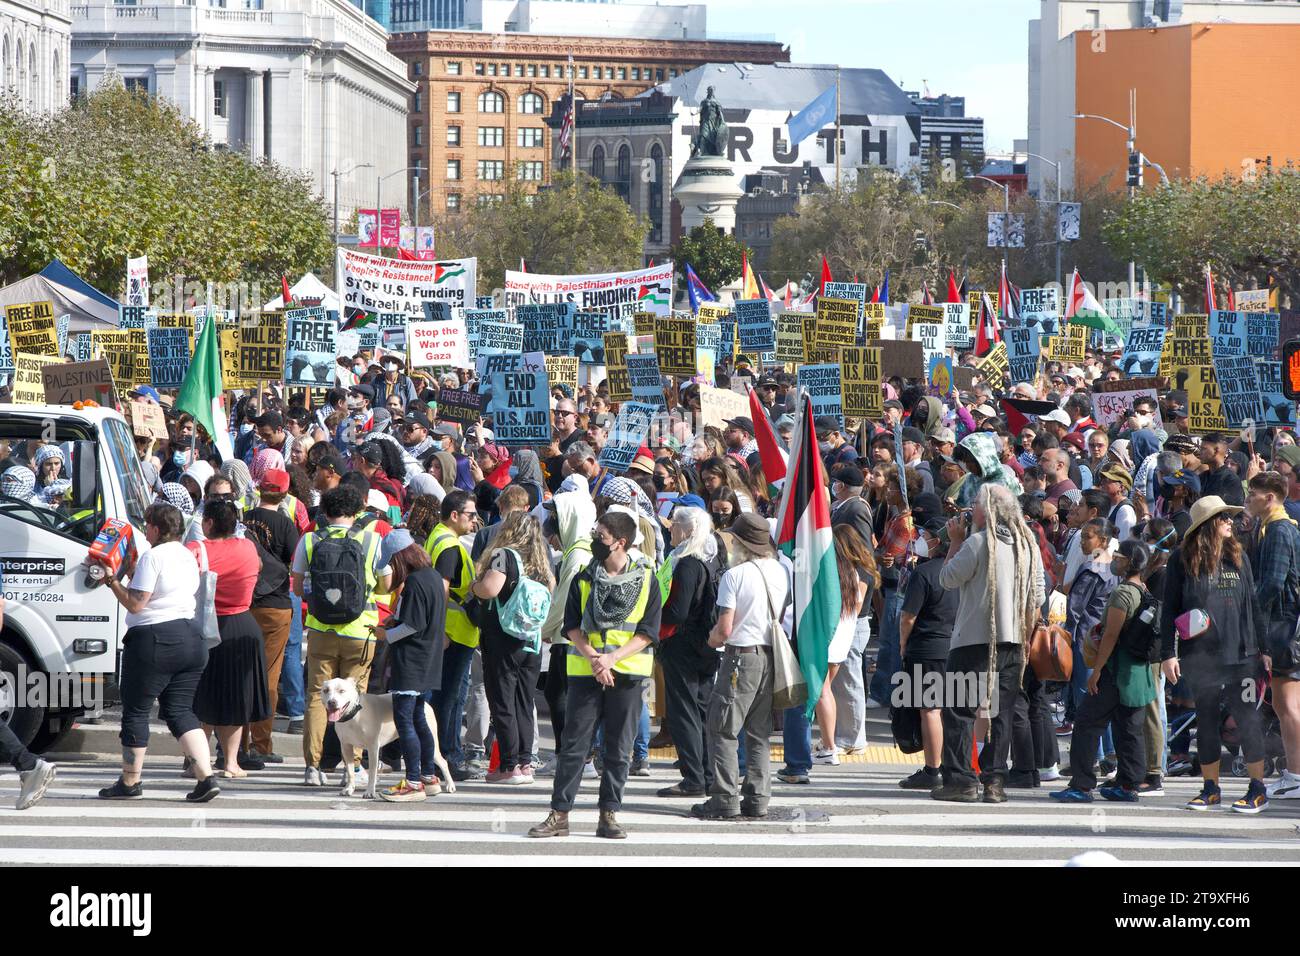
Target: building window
[(219, 98), (622, 73), (74, 87), (519, 69), (489, 199), (672, 74), (598, 163), (490, 102), (418, 102), (636, 72), (479, 69), (505, 69), (530, 171), (137, 84), (453, 202), (656, 193), (623, 173), (530, 103), (528, 137), (417, 135), (609, 72), (491, 135), (453, 68), (453, 169), (532, 69), (491, 169), (659, 76), (453, 135), (582, 73), (453, 102), (546, 71), (417, 68)]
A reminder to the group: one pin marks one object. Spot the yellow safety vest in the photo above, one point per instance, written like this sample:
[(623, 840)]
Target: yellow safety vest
[(640, 664), (459, 628), (360, 627)]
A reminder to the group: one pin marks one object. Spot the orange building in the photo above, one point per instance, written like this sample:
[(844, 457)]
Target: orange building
[(1212, 98)]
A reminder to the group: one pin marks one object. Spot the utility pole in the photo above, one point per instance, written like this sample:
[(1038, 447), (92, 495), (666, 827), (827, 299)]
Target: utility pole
[(837, 129)]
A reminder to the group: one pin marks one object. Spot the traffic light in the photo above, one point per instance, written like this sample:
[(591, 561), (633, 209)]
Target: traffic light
[(1135, 170), (1291, 369)]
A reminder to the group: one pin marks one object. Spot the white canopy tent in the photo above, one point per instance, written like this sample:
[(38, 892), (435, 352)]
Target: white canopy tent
[(308, 287)]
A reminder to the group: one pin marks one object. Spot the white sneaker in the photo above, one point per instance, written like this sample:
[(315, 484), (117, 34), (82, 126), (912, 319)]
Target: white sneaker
[(856, 749), (1285, 787), (34, 783), (359, 777), (873, 704), (1048, 774), (831, 756), (312, 777), (589, 771)]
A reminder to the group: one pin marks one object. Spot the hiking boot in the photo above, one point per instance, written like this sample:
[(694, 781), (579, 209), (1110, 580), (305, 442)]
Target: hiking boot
[(556, 824), (957, 793), (995, 790), (707, 811), (609, 828)]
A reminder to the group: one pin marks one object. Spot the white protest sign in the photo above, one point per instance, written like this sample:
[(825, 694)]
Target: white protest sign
[(433, 344)]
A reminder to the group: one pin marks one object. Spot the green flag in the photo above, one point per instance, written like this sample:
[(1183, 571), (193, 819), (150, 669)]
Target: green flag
[(201, 392)]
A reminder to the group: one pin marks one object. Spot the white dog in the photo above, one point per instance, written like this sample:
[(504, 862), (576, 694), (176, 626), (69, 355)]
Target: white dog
[(365, 721)]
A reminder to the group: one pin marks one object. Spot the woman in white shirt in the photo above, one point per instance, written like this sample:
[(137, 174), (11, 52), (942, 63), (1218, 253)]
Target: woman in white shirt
[(163, 654)]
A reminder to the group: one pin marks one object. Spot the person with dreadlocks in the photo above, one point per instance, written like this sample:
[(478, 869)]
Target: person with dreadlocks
[(997, 571)]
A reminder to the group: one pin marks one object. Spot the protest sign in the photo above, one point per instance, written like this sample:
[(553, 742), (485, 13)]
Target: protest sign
[(973, 300), (714, 312), (1038, 307), (1204, 409), (169, 357), (484, 302), (1278, 409), (754, 323), (857, 291), (131, 316), (309, 350), (80, 349), (617, 347), (939, 381), (1070, 344), (1187, 348), (261, 347), (930, 335), (519, 400), (348, 342), (933, 314), (956, 323), (822, 384), (367, 340), (114, 346), (1261, 334), (228, 343), (588, 337), (614, 293), (474, 319), (68, 382), (789, 337), (28, 387), (627, 435), (547, 328), (6, 353), (708, 338), (372, 284), (643, 323), (860, 380), (179, 320), (1142, 350), (460, 405), (563, 370), (433, 312), (137, 281), (995, 366), (31, 328), (904, 359), (719, 404), (645, 379), (675, 346), (835, 327), (392, 331), (1238, 391), (147, 420), (496, 337), (1124, 312), (1022, 353), (438, 344), (1111, 407), (873, 320), (1253, 300), (1227, 333), (61, 325)]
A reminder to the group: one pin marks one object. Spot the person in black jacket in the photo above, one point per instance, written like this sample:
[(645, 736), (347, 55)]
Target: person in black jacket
[(1219, 478), (415, 636), (689, 664)]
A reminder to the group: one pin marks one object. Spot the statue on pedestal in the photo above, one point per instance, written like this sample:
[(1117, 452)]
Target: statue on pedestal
[(711, 139)]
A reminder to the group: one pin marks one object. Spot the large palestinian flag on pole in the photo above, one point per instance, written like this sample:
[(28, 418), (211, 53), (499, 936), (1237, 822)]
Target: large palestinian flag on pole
[(803, 534)]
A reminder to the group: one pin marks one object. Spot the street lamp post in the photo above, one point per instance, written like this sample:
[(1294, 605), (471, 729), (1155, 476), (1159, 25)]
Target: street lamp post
[(1131, 132), (379, 189), (1057, 168), (336, 174), (1006, 216)]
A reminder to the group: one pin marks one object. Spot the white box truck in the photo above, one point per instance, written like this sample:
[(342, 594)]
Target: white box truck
[(61, 637)]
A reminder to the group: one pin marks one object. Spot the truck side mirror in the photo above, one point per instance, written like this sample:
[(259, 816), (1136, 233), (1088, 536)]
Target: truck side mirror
[(85, 476)]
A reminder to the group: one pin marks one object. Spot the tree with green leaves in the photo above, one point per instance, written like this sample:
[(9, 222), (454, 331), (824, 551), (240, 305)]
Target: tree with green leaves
[(569, 227), (714, 255), (119, 174)]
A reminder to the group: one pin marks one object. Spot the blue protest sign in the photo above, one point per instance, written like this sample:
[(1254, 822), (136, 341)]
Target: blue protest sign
[(169, 356), (823, 385), (754, 322), (644, 379), (518, 398)]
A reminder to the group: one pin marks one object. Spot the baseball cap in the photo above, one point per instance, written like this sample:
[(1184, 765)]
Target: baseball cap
[(275, 480), (1183, 444), (690, 501), (333, 462), (365, 391), (849, 474), (148, 391), (766, 380), (1075, 439), (985, 411), (744, 423), (944, 435), (914, 435), (1056, 415), (370, 454), (1117, 473), (375, 499)]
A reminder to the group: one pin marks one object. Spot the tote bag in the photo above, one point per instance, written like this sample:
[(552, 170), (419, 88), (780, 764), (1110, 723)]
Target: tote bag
[(205, 601), (789, 689)]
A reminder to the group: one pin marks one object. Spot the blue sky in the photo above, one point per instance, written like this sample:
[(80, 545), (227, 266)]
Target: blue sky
[(977, 50)]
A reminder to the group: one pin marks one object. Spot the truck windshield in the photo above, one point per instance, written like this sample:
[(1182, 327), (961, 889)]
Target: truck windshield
[(35, 476), (121, 448)]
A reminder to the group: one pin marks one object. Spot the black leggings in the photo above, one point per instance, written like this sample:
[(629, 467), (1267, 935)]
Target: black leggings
[(1237, 688), (555, 688)]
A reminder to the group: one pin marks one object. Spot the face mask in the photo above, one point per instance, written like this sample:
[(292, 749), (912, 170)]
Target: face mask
[(837, 489), (514, 472), (825, 446), (599, 550), (660, 482), (921, 548), (179, 459), (721, 520)]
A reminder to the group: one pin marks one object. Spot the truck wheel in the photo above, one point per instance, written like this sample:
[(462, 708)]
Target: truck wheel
[(23, 721)]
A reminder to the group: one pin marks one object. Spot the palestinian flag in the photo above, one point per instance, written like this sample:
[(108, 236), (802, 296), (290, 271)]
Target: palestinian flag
[(441, 272), (201, 391), (1082, 307), (650, 295), (1020, 412), (354, 318), (803, 533), (769, 452)]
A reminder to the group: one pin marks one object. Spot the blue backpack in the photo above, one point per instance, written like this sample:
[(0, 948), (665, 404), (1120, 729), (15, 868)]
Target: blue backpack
[(526, 610)]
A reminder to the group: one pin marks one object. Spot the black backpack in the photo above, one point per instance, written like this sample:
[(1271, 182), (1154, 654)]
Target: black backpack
[(1140, 636), (337, 573)]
